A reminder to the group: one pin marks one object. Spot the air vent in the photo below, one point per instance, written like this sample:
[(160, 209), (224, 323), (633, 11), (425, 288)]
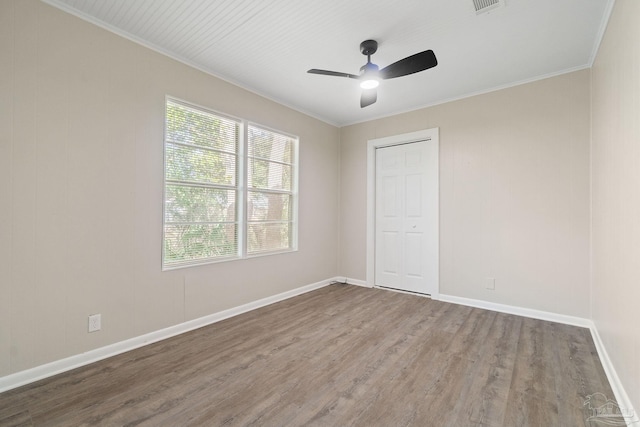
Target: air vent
[(483, 6)]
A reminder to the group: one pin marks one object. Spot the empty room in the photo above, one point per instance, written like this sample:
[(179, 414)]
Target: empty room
[(286, 213)]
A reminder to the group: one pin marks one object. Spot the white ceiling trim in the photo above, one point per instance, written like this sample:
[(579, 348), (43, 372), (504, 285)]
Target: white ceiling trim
[(347, 116), (601, 31), (480, 92), (105, 26)]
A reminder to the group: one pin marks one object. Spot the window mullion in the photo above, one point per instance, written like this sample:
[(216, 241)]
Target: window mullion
[(294, 197), (243, 192), (199, 184), (199, 147), (270, 160), (269, 191), (201, 222)]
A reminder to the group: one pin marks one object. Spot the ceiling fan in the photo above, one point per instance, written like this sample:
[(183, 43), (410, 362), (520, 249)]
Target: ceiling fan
[(370, 74)]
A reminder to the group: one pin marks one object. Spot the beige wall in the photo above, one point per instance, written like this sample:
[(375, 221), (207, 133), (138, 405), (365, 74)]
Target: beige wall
[(514, 193), (81, 116), (81, 127), (616, 193)]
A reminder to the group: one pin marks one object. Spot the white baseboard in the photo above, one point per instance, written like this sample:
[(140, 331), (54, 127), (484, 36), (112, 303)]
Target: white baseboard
[(44, 371), (53, 368), (357, 282), (621, 396), (519, 311)]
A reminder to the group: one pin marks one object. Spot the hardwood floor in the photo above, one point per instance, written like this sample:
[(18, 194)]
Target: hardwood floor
[(339, 356)]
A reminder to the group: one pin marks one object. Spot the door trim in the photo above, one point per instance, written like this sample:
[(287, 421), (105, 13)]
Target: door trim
[(372, 144)]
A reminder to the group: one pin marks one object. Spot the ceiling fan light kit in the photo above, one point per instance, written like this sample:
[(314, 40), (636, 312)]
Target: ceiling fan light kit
[(370, 83), (370, 74)]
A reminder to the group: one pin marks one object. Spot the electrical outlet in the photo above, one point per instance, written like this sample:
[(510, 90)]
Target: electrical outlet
[(491, 283), (95, 322)]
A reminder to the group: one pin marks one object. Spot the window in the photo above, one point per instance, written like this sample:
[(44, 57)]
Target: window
[(270, 191), (230, 188), (201, 185)]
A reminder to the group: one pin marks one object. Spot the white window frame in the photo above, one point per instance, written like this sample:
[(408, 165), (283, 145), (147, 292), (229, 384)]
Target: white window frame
[(294, 191), (242, 190)]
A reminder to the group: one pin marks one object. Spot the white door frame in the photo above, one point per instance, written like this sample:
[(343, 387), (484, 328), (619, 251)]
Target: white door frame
[(372, 145)]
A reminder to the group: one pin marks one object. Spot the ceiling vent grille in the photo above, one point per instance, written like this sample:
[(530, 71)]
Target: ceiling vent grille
[(483, 6)]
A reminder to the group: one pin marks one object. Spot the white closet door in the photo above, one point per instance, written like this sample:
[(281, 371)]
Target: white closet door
[(406, 217)]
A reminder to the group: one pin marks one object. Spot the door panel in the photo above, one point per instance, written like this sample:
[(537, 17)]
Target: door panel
[(405, 221), (413, 249), (413, 197), (389, 192)]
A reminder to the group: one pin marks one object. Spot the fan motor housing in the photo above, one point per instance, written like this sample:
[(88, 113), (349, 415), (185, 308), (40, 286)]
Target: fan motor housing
[(368, 47), (368, 68)]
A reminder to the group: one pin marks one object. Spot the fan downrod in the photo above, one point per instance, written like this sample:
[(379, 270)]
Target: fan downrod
[(368, 47)]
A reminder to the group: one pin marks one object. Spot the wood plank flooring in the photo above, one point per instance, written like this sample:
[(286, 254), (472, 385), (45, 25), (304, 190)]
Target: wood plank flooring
[(339, 356)]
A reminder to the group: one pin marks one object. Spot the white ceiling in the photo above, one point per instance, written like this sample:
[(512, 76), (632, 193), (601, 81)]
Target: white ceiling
[(267, 46)]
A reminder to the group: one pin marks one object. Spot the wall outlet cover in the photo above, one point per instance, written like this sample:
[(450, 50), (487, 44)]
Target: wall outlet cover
[(95, 322)]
